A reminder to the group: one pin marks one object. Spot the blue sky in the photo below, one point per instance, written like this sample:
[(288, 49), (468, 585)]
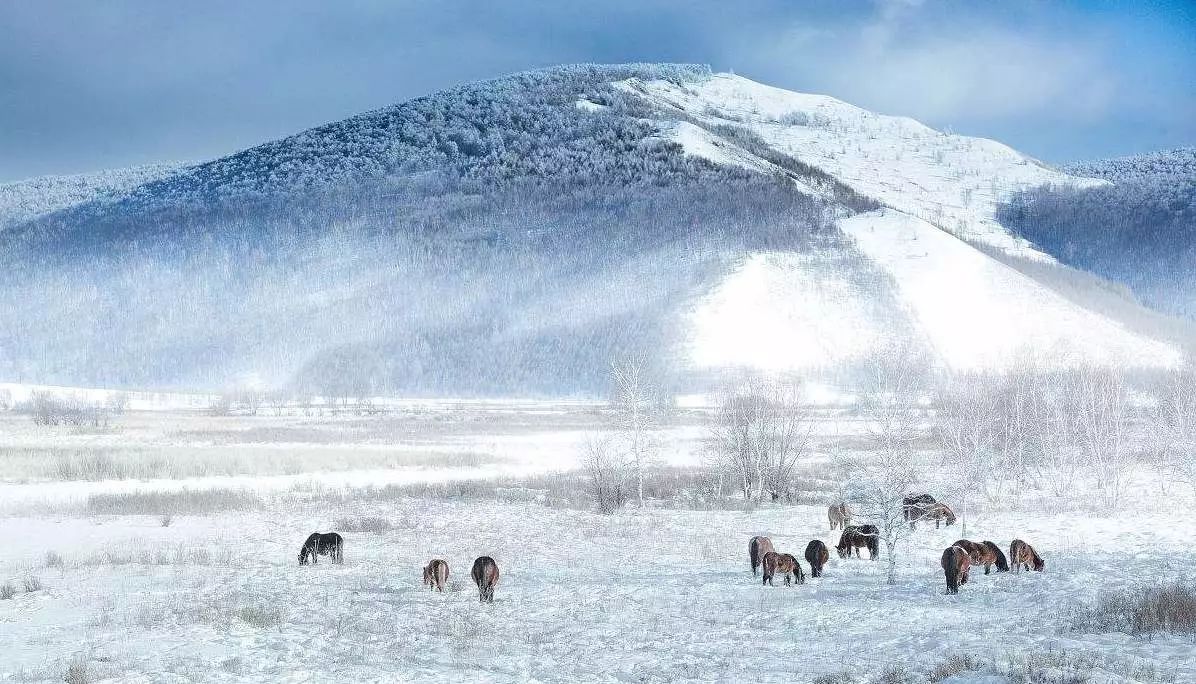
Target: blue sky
[(89, 85)]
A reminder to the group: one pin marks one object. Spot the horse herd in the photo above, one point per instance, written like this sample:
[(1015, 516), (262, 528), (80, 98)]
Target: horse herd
[(957, 559), (436, 572)]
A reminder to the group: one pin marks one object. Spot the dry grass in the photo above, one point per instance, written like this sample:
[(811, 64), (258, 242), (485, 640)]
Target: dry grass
[(181, 502), (7, 591), (1145, 611)]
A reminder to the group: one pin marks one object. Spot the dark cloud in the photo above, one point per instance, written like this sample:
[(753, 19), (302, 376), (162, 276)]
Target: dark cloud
[(87, 85)]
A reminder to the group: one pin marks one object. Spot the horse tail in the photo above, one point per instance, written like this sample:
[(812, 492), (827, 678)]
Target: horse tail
[(754, 554)]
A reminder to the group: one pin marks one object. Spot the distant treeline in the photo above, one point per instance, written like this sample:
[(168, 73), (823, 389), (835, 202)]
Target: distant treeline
[(1139, 231)]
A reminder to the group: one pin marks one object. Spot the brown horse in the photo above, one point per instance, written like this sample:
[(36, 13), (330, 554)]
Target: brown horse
[(941, 514), (784, 563), (757, 547), (956, 564), (913, 507), (1002, 563), (436, 574), (817, 556), (856, 537), (984, 553), (1022, 555), (485, 575), (839, 515)]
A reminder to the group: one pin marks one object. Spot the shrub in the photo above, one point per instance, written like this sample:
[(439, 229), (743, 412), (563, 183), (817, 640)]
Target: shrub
[(32, 583), (956, 664), (7, 591), (1143, 611), (54, 560)]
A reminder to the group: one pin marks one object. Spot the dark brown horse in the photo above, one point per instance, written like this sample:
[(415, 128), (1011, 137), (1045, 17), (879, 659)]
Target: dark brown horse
[(913, 507), (784, 563), (856, 537), (757, 547), (839, 515), (956, 564), (817, 555), (436, 574), (485, 575), (322, 544), (1022, 555), (1002, 563)]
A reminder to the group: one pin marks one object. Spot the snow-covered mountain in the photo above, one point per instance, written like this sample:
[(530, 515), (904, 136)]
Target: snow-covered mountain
[(29, 199), (520, 234)]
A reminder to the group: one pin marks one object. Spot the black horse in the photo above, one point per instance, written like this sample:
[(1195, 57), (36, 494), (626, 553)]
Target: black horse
[(856, 537), (915, 507), (322, 544)]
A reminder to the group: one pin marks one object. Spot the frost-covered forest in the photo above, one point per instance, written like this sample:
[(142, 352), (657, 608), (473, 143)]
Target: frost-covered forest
[(417, 248), (1140, 230)]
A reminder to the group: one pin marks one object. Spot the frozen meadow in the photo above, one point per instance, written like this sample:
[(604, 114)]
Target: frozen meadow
[(165, 548)]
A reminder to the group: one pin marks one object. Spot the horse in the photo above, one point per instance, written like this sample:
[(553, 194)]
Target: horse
[(757, 547), (984, 553), (817, 556), (839, 515), (436, 574), (485, 575), (855, 537), (322, 544), (1002, 563), (1022, 555), (914, 506), (956, 564), (782, 562), (940, 513)]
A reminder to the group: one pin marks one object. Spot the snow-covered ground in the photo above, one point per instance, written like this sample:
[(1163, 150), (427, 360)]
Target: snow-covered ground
[(661, 594)]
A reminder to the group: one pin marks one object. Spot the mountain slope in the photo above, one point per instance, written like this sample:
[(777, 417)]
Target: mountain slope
[(25, 200), (519, 235), (1139, 231)]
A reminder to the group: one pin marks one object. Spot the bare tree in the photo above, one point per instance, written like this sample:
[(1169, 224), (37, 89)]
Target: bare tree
[(1100, 411), (607, 475), (638, 409), (878, 482), (1174, 427), (759, 436)]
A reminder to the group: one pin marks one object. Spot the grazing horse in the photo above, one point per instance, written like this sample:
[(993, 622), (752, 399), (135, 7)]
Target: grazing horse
[(1002, 564), (1022, 555), (757, 547), (856, 537), (915, 506), (817, 556), (941, 514), (485, 575), (322, 544), (984, 553), (784, 563), (839, 515), (956, 564), (436, 574)]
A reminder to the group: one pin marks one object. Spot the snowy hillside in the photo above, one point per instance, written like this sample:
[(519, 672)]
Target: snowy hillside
[(954, 182), (28, 199), (516, 236)]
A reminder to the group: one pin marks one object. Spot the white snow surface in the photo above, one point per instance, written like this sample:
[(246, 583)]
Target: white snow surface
[(979, 313)]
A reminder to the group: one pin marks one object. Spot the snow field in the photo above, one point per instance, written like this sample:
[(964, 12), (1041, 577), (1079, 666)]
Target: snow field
[(639, 596)]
